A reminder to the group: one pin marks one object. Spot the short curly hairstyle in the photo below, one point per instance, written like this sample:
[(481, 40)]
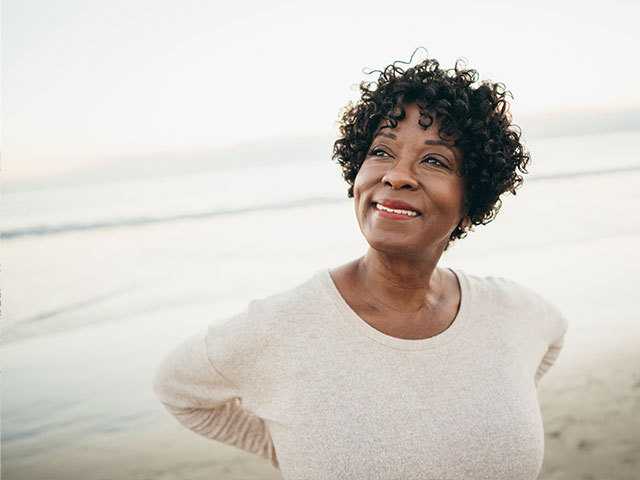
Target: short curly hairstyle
[(473, 115)]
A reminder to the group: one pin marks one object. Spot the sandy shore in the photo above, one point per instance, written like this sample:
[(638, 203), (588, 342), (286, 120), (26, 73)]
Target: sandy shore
[(91, 314)]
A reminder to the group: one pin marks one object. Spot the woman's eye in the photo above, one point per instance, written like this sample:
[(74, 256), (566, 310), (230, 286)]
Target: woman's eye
[(436, 161), (376, 151)]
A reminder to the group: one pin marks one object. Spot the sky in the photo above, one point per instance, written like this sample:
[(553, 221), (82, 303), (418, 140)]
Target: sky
[(87, 80)]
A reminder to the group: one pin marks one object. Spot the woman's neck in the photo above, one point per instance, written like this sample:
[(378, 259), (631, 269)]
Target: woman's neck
[(400, 283)]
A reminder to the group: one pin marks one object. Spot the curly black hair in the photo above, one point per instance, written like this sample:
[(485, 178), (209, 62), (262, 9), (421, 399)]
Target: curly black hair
[(473, 115)]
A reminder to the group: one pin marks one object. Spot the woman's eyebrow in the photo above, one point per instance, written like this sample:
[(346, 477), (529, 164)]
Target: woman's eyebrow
[(437, 142), (386, 134), (426, 142)]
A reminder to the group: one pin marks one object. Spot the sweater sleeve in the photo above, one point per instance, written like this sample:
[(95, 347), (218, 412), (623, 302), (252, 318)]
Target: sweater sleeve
[(558, 324), (203, 400)]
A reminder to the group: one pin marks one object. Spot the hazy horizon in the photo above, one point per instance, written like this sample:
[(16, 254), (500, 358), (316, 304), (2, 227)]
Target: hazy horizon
[(535, 127), (84, 81)]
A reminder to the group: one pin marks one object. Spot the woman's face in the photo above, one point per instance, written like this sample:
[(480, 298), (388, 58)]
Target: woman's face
[(415, 166)]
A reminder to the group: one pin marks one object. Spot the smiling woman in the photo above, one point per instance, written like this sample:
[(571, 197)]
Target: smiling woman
[(471, 119), (390, 366), (415, 170)]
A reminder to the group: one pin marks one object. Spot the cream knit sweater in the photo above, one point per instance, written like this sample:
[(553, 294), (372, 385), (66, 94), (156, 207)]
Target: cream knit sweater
[(300, 374)]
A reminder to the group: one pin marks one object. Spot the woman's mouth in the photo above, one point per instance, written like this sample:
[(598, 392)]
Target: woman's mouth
[(394, 213)]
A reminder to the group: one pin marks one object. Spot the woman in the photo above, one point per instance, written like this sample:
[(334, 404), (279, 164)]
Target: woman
[(390, 367)]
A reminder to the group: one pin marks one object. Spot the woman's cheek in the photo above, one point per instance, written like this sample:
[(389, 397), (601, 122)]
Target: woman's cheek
[(365, 175), (358, 181)]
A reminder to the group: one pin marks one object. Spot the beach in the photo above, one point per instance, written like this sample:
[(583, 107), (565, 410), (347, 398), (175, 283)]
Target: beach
[(89, 313)]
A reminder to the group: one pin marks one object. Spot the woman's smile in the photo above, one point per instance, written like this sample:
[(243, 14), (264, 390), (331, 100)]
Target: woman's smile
[(393, 213)]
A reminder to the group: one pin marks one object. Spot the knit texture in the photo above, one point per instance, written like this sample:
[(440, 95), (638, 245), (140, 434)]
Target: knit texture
[(301, 380)]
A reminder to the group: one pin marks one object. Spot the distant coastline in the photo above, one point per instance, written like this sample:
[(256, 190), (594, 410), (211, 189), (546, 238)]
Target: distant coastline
[(106, 168)]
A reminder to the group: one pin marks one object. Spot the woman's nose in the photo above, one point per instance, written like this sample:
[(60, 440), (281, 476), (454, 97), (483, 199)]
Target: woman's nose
[(400, 176)]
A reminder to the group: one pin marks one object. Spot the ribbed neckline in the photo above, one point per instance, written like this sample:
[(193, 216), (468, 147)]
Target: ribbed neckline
[(436, 341)]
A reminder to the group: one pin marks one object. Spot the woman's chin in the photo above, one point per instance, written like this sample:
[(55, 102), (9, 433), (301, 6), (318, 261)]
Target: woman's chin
[(393, 246), (399, 243)]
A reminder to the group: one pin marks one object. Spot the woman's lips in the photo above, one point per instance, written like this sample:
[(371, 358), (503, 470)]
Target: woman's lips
[(393, 215)]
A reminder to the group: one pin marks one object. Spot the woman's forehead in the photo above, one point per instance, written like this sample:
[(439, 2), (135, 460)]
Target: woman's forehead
[(431, 130)]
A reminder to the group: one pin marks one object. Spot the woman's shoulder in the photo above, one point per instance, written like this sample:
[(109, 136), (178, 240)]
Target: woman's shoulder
[(262, 322), (498, 288), (510, 296), (302, 295), (264, 315)]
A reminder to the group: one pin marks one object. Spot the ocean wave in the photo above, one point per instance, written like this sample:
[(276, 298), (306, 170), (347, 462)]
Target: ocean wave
[(139, 220)]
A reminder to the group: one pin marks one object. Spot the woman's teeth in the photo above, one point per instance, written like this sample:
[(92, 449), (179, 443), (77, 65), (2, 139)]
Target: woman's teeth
[(410, 213)]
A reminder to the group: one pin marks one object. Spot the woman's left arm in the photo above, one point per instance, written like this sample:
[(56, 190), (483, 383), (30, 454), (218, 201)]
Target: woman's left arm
[(205, 401), (549, 358), (558, 324)]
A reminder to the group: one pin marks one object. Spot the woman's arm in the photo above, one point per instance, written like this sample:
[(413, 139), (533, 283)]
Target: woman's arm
[(558, 325), (203, 400), (549, 358)]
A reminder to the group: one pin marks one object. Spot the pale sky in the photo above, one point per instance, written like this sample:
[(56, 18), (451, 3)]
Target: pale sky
[(83, 80)]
